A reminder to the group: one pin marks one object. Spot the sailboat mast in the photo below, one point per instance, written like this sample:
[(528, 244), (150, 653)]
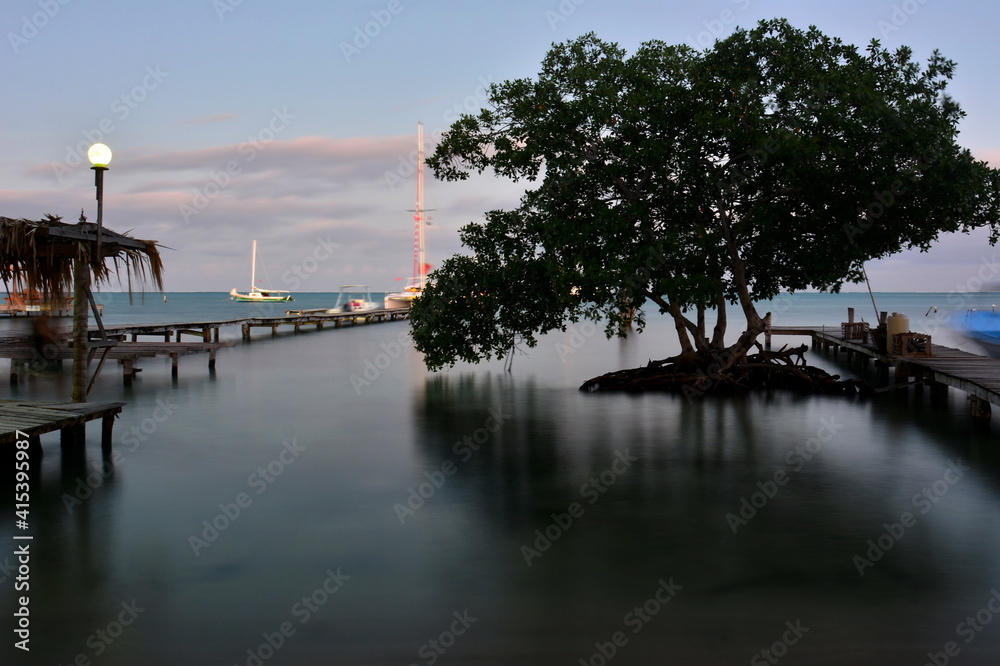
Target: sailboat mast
[(253, 265), (418, 216)]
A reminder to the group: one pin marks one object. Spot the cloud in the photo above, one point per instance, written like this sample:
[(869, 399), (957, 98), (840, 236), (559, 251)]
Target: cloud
[(291, 194), (307, 158)]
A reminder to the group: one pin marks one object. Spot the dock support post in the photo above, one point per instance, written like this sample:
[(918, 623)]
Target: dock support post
[(35, 446), (246, 332), (981, 410), (215, 334), (939, 392), (173, 365), (211, 359), (73, 438), (882, 372), (127, 371), (107, 426), (16, 370)]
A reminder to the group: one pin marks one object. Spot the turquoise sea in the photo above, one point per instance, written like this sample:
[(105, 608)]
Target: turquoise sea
[(321, 498)]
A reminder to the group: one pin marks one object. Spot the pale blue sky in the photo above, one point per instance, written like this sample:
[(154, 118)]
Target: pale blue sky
[(315, 120)]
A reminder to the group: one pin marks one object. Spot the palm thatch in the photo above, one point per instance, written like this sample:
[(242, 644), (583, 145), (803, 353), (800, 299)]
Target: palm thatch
[(39, 255)]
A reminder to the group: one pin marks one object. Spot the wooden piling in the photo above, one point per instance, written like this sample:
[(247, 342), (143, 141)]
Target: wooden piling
[(981, 410)]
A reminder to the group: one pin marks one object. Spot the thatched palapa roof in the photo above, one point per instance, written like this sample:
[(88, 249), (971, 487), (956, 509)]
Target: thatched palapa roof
[(39, 255)]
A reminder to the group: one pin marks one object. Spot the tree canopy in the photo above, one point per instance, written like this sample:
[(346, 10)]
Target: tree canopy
[(778, 160)]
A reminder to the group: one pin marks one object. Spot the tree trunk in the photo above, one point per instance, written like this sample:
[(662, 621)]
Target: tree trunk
[(680, 323), (719, 334)]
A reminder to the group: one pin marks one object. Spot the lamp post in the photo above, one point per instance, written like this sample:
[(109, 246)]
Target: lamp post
[(100, 157)]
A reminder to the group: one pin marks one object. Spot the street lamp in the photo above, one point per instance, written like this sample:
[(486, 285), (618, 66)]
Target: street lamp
[(99, 156)]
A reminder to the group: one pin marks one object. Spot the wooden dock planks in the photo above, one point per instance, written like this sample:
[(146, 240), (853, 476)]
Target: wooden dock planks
[(37, 418), (21, 350), (295, 318), (976, 375)]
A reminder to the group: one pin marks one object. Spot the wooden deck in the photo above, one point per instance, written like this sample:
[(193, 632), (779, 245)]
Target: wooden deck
[(70, 418), (976, 375), (23, 355), (127, 349), (209, 330)]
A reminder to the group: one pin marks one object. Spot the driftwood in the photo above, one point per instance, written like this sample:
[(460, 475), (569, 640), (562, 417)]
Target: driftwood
[(782, 369)]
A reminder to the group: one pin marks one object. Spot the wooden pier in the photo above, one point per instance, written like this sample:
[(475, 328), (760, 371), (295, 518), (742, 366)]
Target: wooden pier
[(70, 418), (126, 347), (23, 355), (208, 331), (320, 317), (978, 376)]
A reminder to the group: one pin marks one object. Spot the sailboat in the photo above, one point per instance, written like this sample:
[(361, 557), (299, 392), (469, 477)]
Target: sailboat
[(414, 285), (257, 295)]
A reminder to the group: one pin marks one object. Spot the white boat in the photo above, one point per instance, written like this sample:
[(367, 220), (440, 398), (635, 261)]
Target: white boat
[(414, 285), (256, 294), (354, 298)]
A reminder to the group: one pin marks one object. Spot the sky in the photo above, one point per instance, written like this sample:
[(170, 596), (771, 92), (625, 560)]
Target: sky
[(294, 123)]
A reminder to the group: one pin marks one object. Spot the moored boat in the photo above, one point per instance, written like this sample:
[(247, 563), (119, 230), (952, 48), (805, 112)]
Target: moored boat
[(981, 327), (415, 284), (354, 298), (256, 294)]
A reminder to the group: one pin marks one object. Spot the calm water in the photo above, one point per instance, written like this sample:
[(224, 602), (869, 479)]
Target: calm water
[(323, 499)]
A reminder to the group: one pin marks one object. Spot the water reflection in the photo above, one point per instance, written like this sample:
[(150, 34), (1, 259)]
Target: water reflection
[(71, 562), (759, 506), (487, 467)]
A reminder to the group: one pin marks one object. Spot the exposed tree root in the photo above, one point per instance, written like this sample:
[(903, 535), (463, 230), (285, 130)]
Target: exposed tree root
[(698, 375)]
